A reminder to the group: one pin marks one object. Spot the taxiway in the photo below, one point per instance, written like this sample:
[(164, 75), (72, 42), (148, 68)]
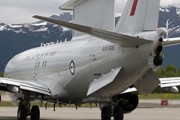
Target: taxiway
[(9, 113)]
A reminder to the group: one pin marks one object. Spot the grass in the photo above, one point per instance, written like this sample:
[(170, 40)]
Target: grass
[(6, 104), (9, 104), (168, 96), (161, 96)]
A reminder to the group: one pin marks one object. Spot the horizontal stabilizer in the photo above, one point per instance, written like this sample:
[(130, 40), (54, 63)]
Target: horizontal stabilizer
[(114, 37), (171, 41), (26, 85), (103, 81), (169, 83)]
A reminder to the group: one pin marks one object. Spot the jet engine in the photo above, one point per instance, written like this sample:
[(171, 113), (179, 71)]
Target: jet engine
[(128, 102), (158, 59)]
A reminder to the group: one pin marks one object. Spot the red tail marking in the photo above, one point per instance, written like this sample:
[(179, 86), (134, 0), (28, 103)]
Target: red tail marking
[(133, 10)]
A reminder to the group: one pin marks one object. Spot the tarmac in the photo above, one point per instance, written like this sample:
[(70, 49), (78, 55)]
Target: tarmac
[(147, 110), (9, 113)]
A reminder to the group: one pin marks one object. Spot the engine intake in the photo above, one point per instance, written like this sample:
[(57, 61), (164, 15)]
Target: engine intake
[(128, 102)]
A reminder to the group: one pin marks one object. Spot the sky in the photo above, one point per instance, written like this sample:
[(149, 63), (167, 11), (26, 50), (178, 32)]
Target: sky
[(21, 11)]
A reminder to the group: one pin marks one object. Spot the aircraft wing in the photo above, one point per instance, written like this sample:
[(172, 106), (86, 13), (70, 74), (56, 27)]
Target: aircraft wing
[(169, 83), (171, 41), (110, 36), (13, 85)]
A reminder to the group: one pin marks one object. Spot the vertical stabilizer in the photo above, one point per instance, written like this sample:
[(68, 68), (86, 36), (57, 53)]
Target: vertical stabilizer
[(94, 13), (139, 15)]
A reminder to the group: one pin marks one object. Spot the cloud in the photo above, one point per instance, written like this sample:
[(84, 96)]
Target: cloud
[(170, 2), (120, 4), (20, 11)]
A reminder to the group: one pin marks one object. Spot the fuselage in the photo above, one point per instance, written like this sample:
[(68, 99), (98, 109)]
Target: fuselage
[(67, 69)]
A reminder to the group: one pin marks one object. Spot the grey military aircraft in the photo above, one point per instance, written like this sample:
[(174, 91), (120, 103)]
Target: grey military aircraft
[(104, 65)]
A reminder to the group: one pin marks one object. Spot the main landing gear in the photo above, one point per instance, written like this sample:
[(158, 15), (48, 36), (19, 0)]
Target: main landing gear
[(108, 111), (25, 110), (119, 105)]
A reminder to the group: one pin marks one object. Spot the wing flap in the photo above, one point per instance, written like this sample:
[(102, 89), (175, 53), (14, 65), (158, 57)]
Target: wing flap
[(130, 90), (147, 83), (28, 85), (103, 81), (124, 40)]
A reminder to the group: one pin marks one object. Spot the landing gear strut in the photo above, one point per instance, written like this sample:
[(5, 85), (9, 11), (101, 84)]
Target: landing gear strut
[(25, 110)]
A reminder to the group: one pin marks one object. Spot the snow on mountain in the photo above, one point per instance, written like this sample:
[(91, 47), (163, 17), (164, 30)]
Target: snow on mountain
[(170, 19), (15, 38), (2, 28), (39, 23), (162, 9)]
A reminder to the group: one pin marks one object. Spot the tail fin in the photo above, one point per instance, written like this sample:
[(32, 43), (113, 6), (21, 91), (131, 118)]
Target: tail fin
[(139, 15), (94, 13)]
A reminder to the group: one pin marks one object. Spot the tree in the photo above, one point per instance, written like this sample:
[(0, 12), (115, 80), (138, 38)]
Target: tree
[(1, 74), (169, 71)]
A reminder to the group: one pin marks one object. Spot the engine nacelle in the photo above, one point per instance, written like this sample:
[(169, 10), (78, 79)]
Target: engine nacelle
[(128, 102), (158, 59), (158, 47)]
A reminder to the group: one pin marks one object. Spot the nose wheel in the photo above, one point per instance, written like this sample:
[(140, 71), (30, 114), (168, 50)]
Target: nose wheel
[(25, 109), (22, 113)]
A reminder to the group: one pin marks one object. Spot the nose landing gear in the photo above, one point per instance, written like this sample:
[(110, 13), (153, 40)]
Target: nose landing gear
[(25, 110)]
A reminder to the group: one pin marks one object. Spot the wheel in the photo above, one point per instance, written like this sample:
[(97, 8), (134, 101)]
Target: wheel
[(35, 113), (118, 113), (106, 113), (22, 113)]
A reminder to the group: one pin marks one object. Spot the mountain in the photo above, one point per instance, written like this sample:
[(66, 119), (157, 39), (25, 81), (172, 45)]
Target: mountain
[(20, 37), (15, 38), (170, 19)]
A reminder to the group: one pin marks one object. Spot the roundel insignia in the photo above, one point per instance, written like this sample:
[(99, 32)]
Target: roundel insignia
[(72, 67)]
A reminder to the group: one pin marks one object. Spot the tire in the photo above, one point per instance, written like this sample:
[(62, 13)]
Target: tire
[(22, 113), (35, 113), (106, 113), (118, 113)]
